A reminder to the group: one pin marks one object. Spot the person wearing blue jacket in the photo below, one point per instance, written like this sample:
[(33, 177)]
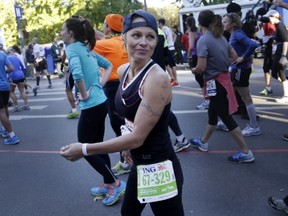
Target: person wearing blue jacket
[(6, 130), (241, 68), (85, 65), (17, 78)]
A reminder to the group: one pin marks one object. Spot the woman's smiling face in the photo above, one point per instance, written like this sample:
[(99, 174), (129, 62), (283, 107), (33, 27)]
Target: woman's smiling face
[(140, 42)]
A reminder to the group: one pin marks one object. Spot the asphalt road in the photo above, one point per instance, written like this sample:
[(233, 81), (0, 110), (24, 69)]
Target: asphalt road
[(36, 181)]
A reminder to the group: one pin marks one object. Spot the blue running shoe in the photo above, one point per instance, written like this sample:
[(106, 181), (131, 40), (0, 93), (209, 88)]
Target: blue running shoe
[(241, 157), (100, 191), (196, 142), (114, 194), (11, 141), (4, 133)]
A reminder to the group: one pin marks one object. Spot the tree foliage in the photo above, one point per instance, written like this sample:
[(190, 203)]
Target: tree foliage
[(8, 22), (44, 18)]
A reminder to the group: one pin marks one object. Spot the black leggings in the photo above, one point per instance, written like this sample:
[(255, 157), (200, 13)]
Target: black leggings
[(170, 207), (174, 125), (219, 107), (91, 127)]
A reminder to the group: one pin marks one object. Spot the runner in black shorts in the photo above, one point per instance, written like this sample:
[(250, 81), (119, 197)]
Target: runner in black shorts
[(40, 65), (6, 130)]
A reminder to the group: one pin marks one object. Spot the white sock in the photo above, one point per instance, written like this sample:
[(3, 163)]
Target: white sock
[(285, 88), (74, 110), (252, 115), (268, 88), (124, 164), (11, 134), (180, 138)]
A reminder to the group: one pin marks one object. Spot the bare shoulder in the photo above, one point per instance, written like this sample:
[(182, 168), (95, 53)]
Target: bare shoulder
[(158, 76), (157, 86), (158, 81), (122, 69)]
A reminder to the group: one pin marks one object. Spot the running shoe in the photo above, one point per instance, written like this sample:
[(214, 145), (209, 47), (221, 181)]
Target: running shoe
[(11, 141), (4, 133), (50, 86), (181, 145), (285, 137), (241, 157), (196, 142), (251, 131), (73, 115), (26, 107), (278, 204), (204, 105), (100, 191), (221, 126), (265, 92), (114, 194), (16, 109), (119, 169)]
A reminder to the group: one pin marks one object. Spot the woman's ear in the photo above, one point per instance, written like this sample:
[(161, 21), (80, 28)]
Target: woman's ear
[(124, 40), (70, 33)]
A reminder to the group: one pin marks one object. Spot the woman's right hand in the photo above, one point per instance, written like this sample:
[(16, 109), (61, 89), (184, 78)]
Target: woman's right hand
[(72, 152)]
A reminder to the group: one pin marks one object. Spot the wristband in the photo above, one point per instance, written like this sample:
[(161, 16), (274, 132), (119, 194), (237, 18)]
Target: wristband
[(283, 55), (84, 149)]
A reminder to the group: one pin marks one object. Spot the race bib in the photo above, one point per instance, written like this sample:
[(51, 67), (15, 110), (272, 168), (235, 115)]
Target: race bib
[(156, 182), (210, 88)]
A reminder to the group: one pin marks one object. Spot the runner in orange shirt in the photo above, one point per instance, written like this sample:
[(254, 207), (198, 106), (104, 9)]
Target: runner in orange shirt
[(112, 48)]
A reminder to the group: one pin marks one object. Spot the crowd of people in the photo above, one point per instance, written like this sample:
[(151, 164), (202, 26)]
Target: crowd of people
[(121, 81)]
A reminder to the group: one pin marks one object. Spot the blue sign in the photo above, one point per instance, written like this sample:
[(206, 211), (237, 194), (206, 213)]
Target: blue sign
[(18, 11)]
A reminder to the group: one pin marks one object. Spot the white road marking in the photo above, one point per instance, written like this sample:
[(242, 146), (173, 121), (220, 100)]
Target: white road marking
[(32, 108)]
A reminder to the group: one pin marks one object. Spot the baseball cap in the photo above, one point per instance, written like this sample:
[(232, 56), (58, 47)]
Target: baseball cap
[(150, 21), (233, 8), (115, 22), (272, 13)]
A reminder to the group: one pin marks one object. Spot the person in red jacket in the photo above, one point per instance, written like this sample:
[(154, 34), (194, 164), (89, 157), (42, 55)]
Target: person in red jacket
[(185, 41)]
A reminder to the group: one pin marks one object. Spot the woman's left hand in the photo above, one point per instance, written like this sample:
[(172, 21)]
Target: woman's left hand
[(72, 152), (87, 95)]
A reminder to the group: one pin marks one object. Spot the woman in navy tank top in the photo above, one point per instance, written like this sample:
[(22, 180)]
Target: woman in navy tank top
[(144, 99)]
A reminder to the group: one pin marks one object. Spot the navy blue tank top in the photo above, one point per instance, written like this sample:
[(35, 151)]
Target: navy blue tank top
[(157, 146)]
